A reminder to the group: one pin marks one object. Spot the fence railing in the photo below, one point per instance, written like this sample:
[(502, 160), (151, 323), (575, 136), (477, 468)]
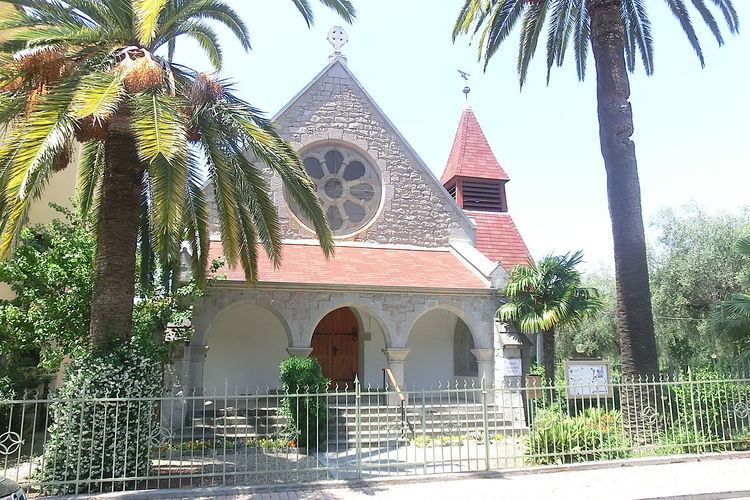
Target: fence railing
[(53, 445)]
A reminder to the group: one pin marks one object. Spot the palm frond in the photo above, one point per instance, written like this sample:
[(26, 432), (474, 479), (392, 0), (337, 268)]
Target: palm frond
[(167, 198), (159, 126), (177, 13), (28, 153), (98, 95), (224, 189), (206, 38), (743, 245), (708, 18), (343, 8), (531, 28), (560, 27), (679, 10), (260, 204), (730, 14), (638, 34), (196, 219), (90, 172), (500, 22), (581, 37), (147, 14), (471, 14)]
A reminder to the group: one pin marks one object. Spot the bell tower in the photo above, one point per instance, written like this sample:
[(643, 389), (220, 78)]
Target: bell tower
[(473, 176)]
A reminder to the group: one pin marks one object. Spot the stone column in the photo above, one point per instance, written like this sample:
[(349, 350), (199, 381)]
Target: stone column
[(196, 358), (299, 352), (396, 357), (485, 365)]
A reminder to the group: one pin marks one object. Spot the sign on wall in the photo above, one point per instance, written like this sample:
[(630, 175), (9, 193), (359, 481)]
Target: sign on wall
[(588, 378), (512, 367)]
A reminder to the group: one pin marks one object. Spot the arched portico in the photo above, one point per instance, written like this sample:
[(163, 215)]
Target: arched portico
[(245, 341), (349, 341)]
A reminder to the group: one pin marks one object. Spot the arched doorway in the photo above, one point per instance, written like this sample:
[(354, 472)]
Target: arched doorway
[(335, 344)]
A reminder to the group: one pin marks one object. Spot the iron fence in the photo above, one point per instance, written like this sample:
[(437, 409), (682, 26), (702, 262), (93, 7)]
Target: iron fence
[(259, 437)]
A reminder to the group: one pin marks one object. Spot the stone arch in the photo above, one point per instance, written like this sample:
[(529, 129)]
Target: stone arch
[(357, 307), (472, 322), (245, 342), (373, 338), (204, 336)]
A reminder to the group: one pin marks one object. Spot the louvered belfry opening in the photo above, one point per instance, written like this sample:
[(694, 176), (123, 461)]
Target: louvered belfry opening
[(479, 194), (483, 195)]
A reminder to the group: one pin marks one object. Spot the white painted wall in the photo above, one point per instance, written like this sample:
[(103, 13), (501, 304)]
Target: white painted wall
[(431, 356), (246, 345), (372, 351)]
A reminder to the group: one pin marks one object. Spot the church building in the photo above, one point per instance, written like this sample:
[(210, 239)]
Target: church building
[(419, 262)]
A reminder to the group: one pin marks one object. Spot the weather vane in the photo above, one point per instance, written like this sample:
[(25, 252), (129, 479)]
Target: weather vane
[(465, 76), (337, 37)]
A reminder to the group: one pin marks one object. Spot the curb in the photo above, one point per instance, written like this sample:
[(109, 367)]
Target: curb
[(363, 483)]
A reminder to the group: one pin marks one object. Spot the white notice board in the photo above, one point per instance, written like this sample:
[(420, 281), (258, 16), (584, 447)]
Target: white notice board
[(588, 378)]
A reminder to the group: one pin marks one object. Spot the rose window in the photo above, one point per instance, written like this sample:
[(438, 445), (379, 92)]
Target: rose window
[(348, 187)]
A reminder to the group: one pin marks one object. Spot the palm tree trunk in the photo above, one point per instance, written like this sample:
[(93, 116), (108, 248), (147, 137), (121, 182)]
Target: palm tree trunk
[(635, 323), (548, 345), (114, 263)]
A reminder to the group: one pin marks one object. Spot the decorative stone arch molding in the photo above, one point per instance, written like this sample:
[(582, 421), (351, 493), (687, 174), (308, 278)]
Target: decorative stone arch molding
[(476, 312), (204, 335), (355, 301)]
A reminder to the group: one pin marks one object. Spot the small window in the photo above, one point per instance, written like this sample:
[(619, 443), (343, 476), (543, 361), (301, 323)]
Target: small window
[(464, 362)]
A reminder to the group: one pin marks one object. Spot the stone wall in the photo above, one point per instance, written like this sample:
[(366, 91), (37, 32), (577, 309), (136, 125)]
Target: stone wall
[(416, 209), (301, 310)]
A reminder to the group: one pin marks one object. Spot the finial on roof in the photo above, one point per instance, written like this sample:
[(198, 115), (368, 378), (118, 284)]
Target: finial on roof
[(467, 89), (337, 37)]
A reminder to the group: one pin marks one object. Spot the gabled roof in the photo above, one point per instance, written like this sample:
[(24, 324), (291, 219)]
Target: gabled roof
[(499, 239), (362, 266), (339, 63), (471, 155)]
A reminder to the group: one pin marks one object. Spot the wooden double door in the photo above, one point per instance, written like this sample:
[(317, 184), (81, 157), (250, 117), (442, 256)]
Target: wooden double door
[(335, 344)]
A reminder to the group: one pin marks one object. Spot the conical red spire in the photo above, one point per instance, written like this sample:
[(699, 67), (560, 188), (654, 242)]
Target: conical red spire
[(471, 155)]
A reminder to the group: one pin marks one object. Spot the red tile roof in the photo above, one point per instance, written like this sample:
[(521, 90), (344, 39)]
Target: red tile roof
[(471, 155), (499, 239), (364, 266)]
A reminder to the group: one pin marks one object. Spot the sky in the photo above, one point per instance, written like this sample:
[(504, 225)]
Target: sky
[(691, 124)]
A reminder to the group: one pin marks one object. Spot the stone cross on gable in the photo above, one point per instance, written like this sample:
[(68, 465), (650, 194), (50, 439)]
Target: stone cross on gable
[(337, 37)]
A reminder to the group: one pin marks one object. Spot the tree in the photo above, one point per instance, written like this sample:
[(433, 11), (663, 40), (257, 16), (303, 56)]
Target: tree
[(694, 265), (50, 274), (733, 313), (545, 296), (618, 32), (97, 72), (595, 335)]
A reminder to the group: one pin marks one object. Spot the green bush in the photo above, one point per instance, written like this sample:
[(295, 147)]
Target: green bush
[(99, 434), (6, 394), (706, 403), (307, 415), (595, 434), (678, 441)]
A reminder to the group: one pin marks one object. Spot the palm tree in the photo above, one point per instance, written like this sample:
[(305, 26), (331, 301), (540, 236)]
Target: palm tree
[(733, 313), (101, 73), (618, 31), (546, 295)]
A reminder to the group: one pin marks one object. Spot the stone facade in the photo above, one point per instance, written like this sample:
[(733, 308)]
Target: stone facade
[(415, 211), (396, 313), (416, 208)]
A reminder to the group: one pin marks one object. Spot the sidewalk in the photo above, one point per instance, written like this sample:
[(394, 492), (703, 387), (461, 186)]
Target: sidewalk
[(710, 479)]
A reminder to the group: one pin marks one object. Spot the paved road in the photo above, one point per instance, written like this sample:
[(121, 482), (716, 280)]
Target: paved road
[(712, 479)]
